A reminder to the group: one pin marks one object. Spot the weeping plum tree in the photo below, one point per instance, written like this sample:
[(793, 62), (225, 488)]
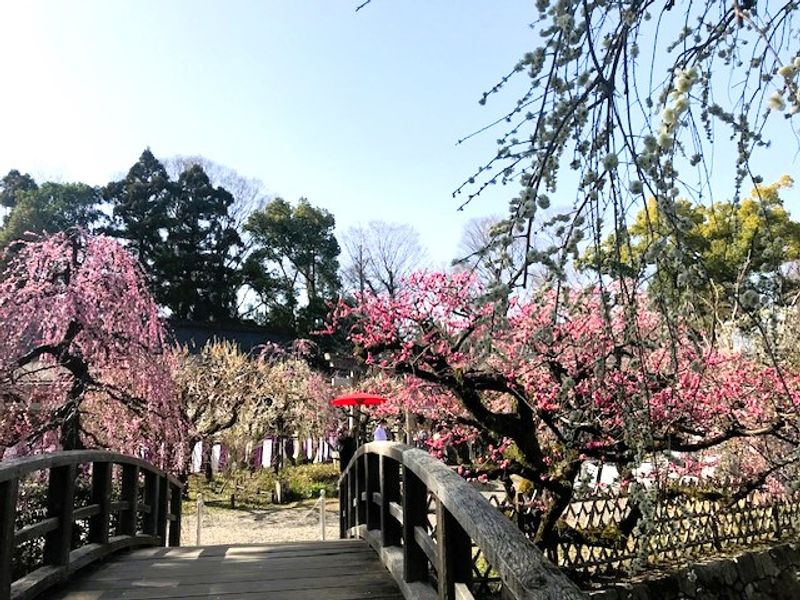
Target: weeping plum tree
[(602, 380), (83, 360)]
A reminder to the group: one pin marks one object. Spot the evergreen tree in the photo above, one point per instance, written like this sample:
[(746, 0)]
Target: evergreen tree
[(182, 233), (293, 268), (51, 208), (12, 184), (198, 280), (141, 210)]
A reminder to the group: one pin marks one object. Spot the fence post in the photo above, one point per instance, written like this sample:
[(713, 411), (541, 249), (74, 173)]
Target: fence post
[(361, 487), (415, 513), (712, 519), (163, 510), (352, 513), (372, 466), (199, 518), (151, 498), (130, 494), (101, 495), (8, 511), (776, 518), (344, 487), (322, 513), (60, 504)]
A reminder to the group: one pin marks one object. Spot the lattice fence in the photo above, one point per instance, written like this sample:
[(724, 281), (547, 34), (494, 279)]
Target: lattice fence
[(486, 583), (683, 528)]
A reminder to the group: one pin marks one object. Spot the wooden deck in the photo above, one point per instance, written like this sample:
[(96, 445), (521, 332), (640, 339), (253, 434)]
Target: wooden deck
[(332, 570)]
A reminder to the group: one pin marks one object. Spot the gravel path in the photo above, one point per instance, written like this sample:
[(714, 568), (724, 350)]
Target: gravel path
[(294, 522)]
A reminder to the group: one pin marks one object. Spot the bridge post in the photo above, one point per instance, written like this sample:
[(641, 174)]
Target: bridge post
[(391, 532), (373, 485), (454, 553), (130, 494), (415, 514), (150, 521), (352, 513), (361, 487), (60, 504), (163, 510), (175, 508), (8, 511), (344, 488), (101, 495)]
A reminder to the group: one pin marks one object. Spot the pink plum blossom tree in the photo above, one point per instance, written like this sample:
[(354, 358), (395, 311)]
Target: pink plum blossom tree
[(578, 374), (83, 357)]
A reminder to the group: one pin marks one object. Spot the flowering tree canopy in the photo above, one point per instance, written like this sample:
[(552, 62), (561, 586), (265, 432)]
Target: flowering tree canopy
[(82, 356), (243, 398), (568, 376)]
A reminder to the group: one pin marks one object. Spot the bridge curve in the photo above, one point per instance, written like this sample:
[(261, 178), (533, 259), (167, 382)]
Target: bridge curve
[(154, 521), (462, 549), (434, 533)]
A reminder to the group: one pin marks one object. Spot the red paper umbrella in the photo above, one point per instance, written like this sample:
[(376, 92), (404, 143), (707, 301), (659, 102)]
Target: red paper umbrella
[(358, 399)]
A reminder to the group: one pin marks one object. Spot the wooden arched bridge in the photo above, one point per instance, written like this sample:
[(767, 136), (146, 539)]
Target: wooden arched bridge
[(410, 527)]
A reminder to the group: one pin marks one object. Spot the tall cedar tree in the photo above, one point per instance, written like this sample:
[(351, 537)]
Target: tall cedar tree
[(183, 235), (140, 210), (199, 282)]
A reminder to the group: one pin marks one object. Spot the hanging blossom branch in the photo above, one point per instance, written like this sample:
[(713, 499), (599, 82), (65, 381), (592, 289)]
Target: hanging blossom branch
[(84, 352), (615, 114)]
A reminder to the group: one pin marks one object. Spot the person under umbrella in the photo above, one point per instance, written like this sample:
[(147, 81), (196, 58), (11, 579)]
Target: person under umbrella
[(380, 434), (350, 440)]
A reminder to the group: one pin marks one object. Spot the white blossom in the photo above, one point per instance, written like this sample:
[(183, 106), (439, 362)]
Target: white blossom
[(776, 102)]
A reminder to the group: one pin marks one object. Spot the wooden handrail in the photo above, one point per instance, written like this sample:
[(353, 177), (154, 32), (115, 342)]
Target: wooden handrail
[(161, 515), (384, 495)]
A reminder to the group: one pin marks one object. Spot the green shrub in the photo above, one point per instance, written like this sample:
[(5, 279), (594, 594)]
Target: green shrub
[(255, 489), (306, 481)]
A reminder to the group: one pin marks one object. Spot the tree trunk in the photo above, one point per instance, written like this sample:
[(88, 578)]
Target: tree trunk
[(71, 425), (208, 448), (71, 430), (546, 537)]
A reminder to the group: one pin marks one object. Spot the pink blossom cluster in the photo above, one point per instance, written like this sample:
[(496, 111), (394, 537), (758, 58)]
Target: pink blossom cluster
[(599, 373), (82, 333)]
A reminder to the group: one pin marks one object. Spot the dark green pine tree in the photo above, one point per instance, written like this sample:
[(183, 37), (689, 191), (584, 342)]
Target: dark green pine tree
[(200, 282), (12, 185), (140, 205), (183, 234)]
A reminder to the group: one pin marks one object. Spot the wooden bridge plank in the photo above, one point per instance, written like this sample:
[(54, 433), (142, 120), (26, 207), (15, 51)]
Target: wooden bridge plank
[(253, 574), (335, 570), (329, 547), (133, 571), (187, 588)]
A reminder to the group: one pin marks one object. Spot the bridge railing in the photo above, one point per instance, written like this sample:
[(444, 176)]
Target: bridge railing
[(147, 513), (436, 534)]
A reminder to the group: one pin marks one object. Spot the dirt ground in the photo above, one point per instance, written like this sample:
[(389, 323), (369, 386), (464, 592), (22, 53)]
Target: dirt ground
[(293, 522)]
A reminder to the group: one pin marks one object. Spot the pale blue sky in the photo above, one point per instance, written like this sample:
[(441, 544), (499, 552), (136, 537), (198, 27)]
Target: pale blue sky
[(359, 112)]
